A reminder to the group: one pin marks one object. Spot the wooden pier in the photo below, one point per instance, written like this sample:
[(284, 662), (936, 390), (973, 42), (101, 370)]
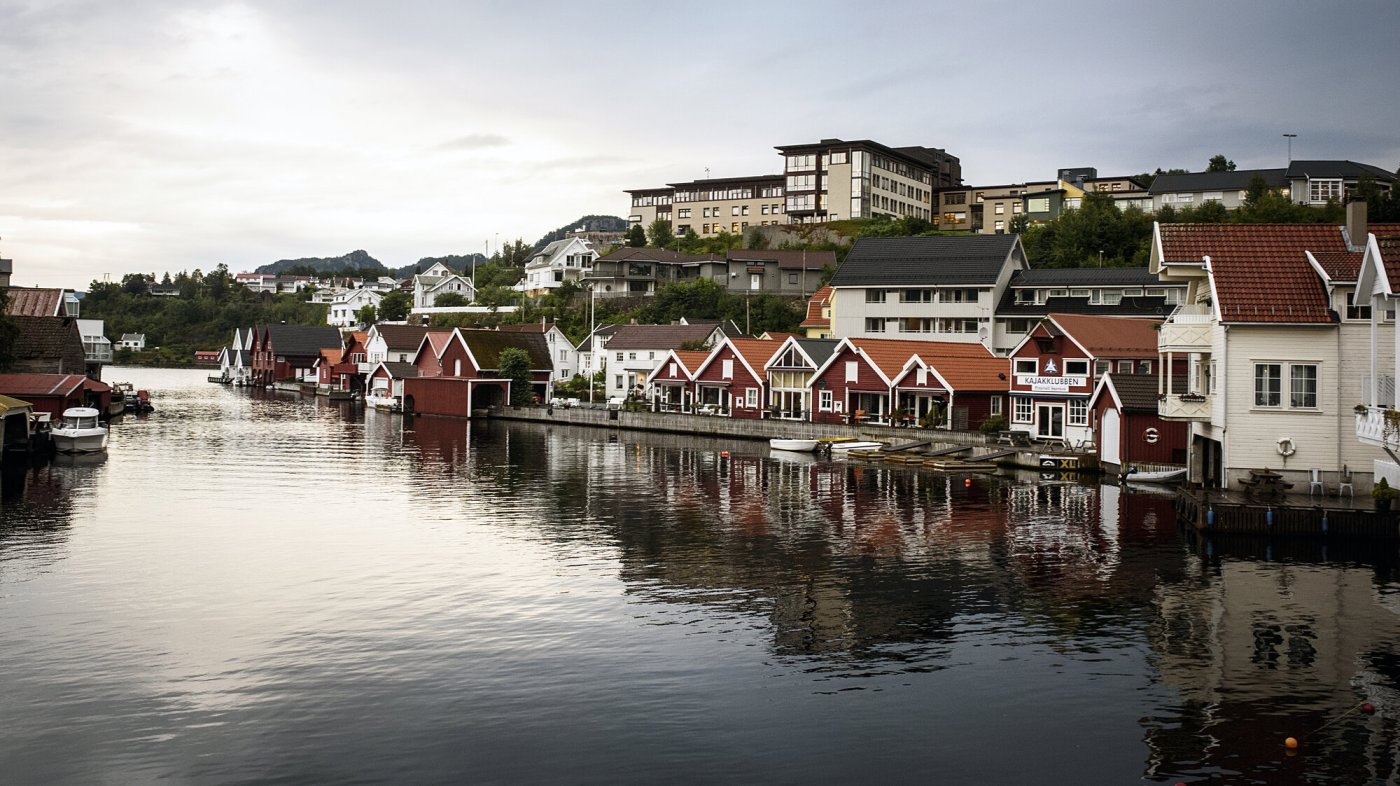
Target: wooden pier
[(1292, 515)]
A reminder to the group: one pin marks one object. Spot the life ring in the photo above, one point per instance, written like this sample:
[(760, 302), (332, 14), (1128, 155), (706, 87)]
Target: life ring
[(1286, 447)]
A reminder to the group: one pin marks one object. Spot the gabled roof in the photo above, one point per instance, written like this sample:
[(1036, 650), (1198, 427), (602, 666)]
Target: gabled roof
[(1237, 180), (787, 260), (48, 338), (689, 360), (1339, 265), (1347, 170), (22, 385), (402, 337), (302, 339), (1260, 272), (1131, 392), (396, 369), (658, 336), (133, 337), (598, 330), (527, 327), (962, 373), (8, 404), (35, 302), (1111, 336), (814, 309), (485, 346), (889, 356), (754, 353), (949, 260)]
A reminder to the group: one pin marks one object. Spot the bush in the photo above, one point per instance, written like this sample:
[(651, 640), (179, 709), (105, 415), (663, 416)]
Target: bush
[(993, 424)]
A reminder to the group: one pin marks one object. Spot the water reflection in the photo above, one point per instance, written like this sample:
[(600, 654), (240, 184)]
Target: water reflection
[(259, 586)]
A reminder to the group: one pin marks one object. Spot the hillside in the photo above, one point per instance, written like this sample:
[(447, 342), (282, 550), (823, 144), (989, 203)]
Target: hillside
[(458, 262), (355, 260), (593, 223)]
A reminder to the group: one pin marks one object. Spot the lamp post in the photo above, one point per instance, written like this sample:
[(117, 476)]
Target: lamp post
[(592, 339), (1290, 138)]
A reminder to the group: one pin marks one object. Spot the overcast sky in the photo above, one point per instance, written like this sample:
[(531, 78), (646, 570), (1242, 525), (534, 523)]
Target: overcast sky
[(148, 136)]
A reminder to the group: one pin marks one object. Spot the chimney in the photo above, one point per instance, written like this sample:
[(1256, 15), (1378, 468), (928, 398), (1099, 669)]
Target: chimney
[(1356, 224)]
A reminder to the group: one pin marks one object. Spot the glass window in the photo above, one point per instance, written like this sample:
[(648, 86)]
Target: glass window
[(1077, 368), (1268, 385), (874, 295), (1078, 412), (824, 400), (1025, 365), (1323, 190), (1302, 386), (874, 325), (1354, 311), (995, 403), (1021, 413)]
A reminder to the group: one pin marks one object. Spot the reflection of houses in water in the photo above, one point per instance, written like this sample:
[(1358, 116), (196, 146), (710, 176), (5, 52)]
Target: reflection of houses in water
[(36, 510), (1260, 649)]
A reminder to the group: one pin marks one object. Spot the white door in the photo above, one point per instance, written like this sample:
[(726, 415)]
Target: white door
[(1050, 421), (755, 281), (1109, 444)]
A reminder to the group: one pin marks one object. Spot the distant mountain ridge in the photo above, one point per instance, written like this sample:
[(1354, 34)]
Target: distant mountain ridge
[(358, 259), (591, 223), (458, 262)]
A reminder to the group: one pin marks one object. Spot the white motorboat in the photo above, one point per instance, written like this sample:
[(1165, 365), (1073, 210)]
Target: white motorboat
[(842, 447), (1160, 476), (795, 445), (80, 432)]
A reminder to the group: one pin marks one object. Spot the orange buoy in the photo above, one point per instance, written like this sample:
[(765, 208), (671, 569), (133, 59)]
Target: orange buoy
[(1290, 743), (967, 482)]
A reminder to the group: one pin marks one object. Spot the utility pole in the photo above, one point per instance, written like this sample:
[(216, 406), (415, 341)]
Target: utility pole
[(1290, 138)]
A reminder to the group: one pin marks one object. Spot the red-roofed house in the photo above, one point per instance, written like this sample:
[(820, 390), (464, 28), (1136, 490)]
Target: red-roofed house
[(818, 321), (672, 383), (857, 381), (951, 390), (51, 393), (1273, 350), (731, 381), (1054, 368)]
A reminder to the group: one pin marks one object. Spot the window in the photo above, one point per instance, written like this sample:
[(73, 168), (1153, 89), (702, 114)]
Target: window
[(1354, 311), (792, 278), (1144, 367), (744, 211), (620, 382), (916, 296), (1025, 365), (1102, 367), (1302, 386), (1323, 190), (999, 209), (751, 398), (1268, 385), (852, 370), (995, 403), (1021, 412), (619, 357), (874, 295), (1076, 368), (916, 325), (1212, 196), (838, 158), (874, 325), (824, 400), (734, 211), (1125, 367), (763, 210), (1078, 412), (1038, 205), (727, 368), (683, 212), (999, 226), (631, 355)]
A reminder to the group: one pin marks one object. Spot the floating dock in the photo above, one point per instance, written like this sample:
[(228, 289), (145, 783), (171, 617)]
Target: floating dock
[(1293, 515)]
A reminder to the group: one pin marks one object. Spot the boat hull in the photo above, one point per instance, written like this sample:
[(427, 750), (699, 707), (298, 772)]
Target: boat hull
[(80, 440), (794, 445)]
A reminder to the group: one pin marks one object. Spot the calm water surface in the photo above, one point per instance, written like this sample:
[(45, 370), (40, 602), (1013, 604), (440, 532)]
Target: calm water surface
[(257, 587)]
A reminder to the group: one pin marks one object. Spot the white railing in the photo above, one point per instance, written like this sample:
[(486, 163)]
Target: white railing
[(1191, 314), (1185, 407), (1371, 427)]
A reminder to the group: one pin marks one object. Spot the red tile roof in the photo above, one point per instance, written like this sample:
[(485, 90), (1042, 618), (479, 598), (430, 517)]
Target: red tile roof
[(1390, 258), (658, 336), (21, 385), (690, 358), (971, 373), (35, 302), (814, 309), (755, 351), (1260, 270), (1119, 337), (1340, 265), (890, 355)]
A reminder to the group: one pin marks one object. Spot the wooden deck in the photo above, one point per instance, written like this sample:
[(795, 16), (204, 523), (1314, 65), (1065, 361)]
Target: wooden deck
[(1294, 515)]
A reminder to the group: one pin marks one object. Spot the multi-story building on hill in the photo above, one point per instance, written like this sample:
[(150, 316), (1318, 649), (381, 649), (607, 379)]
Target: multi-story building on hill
[(835, 179)]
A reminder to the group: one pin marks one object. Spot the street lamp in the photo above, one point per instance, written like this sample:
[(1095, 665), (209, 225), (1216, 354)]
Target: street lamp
[(1290, 138), (592, 339)]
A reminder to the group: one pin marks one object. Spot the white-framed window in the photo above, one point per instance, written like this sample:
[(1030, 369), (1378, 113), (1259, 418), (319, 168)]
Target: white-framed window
[(1125, 367), (619, 357), (1076, 368), (874, 325), (1322, 190), (1268, 385), (852, 370), (1302, 386), (995, 403), (751, 398), (999, 209), (824, 400), (1078, 412), (1021, 410), (874, 295), (631, 355), (1354, 311), (726, 368), (1025, 365)]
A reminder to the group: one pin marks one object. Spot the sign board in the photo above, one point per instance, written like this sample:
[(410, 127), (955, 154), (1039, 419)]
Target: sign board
[(1050, 384)]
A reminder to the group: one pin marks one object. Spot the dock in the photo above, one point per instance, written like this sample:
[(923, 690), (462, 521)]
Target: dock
[(1293, 515)]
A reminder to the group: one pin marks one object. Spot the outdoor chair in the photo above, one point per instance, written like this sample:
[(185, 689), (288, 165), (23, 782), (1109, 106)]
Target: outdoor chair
[(1315, 483)]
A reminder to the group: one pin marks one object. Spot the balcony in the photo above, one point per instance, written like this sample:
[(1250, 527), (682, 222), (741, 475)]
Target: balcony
[(1379, 426), (1188, 329), (1185, 406)]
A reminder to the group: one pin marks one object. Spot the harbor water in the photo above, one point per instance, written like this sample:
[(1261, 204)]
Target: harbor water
[(260, 587)]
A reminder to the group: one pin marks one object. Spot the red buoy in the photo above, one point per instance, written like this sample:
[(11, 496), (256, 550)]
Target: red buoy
[(1368, 708)]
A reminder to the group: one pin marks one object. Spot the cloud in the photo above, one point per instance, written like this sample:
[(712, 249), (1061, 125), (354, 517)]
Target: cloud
[(474, 142)]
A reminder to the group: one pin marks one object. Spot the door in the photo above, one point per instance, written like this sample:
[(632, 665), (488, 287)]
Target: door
[(1050, 421), (1109, 444), (755, 281)]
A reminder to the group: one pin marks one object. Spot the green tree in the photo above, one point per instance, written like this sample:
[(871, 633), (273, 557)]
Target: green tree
[(367, 315), (395, 305), (659, 234), (136, 283), (8, 333), (515, 366), (494, 296), (1218, 163), (450, 300), (636, 236)]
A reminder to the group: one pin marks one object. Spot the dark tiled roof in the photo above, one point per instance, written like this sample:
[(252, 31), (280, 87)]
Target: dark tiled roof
[(34, 302), (794, 260), (486, 346), (526, 327), (1261, 272), (1342, 169), (818, 349), (1340, 265), (1216, 181), (303, 339), (1390, 258), (1085, 276), (658, 336), (401, 370), (628, 253), (55, 341), (1138, 392), (923, 261), (402, 337)]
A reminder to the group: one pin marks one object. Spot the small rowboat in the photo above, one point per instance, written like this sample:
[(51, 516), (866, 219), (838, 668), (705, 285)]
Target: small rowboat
[(795, 445), (1160, 476)]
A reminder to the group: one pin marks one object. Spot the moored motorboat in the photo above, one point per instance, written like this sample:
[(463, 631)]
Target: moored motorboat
[(796, 445), (842, 447), (80, 432)]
